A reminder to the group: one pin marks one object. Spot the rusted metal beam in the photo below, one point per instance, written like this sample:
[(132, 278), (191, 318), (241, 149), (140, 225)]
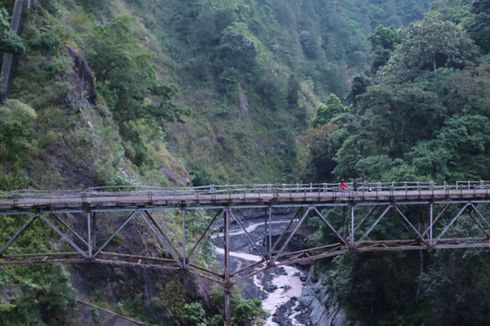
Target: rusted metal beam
[(203, 235), (66, 225), (252, 242), (409, 224), (291, 235), (432, 220), (327, 223), (42, 254), (364, 219), (57, 261), (268, 222), (227, 283), (366, 234), (138, 257), (162, 238), (18, 234), (113, 235), (310, 250), (184, 239), (63, 236), (283, 234), (485, 221), (247, 267), (454, 219), (90, 250)]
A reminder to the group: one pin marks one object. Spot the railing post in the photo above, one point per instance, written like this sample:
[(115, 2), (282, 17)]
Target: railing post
[(83, 196)]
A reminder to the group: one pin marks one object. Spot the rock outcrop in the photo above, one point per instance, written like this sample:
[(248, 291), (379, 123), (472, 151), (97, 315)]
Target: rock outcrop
[(322, 304), (88, 315), (84, 94)]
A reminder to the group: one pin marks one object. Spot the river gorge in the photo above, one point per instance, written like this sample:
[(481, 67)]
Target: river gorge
[(280, 288)]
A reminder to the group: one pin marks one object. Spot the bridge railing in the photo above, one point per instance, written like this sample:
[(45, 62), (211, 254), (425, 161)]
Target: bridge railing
[(122, 191)]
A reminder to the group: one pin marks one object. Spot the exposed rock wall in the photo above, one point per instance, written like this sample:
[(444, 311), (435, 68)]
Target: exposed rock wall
[(83, 94), (90, 315), (324, 307)]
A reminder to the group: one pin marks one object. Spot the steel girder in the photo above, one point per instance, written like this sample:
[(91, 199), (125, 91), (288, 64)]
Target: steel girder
[(420, 225), (354, 235)]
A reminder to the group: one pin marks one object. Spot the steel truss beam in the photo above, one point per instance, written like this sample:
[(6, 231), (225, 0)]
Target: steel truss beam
[(433, 233)]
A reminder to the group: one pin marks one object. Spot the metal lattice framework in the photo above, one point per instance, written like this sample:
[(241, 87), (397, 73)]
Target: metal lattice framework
[(371, 218)]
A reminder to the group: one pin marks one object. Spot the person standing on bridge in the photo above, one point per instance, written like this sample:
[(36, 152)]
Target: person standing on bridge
[(366, 185), (343, 185)]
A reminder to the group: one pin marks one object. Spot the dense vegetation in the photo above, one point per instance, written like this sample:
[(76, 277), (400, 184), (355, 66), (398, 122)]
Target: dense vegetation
[(210, 91), (420, 113)]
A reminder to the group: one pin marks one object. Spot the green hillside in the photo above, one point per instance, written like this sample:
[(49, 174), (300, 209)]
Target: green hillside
[(193, 92)]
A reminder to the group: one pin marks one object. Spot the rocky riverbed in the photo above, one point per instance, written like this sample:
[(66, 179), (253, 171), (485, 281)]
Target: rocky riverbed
[(279, 288)]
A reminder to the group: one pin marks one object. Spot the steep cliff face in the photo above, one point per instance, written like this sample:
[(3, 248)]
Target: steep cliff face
[(89, 314), (83, 94), (323, 306)]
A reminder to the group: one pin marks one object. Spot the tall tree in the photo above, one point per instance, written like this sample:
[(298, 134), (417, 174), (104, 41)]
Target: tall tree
[(479, 29), (427, 45), (330, 109), (383, 42), (395, 117)]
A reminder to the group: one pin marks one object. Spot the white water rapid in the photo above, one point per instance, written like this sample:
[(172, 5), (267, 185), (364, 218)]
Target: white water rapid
[(287, 284)]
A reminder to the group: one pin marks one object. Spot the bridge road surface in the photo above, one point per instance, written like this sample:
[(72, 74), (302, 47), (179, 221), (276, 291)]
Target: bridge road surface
[(107, 201)]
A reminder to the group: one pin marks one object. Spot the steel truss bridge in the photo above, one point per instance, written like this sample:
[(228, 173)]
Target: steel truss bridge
[(370, 218)]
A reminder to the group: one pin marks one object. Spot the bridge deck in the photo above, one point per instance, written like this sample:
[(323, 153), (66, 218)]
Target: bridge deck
[(120, 200)]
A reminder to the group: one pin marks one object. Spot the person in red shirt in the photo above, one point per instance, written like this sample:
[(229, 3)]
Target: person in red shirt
[(343, 185)]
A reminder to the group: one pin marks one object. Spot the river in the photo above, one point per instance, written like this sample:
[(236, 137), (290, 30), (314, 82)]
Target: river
[(279, 287)]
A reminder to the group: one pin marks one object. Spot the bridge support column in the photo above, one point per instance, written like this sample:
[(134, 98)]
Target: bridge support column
[(227, 316), (431, 217), (352, 225), (89, 236), (184, 239), (268, 233), (227, 283)]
